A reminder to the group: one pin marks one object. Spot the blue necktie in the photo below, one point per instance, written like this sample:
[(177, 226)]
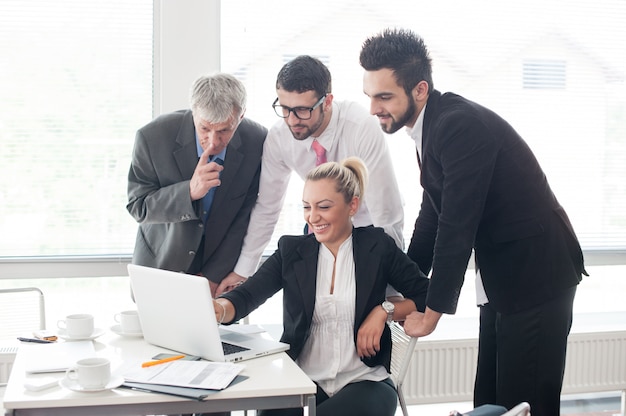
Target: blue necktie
[(207, 201)]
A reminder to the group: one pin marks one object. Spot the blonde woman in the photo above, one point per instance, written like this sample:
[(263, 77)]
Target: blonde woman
[(333, 283)]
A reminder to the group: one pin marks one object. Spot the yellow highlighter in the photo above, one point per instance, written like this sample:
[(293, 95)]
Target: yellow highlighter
[(164, 360)]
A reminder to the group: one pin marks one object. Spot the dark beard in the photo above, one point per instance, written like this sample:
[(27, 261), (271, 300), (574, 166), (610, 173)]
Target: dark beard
[(404, 118), (310, 130)]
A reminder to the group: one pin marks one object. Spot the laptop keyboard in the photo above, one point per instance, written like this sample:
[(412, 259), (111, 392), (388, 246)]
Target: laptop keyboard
[(231, 349)]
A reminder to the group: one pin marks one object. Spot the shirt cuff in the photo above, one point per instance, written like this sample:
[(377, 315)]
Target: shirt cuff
[(246, 266)]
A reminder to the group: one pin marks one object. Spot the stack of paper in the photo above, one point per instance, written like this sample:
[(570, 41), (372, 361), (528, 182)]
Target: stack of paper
[(56, 356)]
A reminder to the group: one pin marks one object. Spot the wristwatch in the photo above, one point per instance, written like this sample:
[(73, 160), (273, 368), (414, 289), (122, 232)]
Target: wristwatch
[(389, 308)]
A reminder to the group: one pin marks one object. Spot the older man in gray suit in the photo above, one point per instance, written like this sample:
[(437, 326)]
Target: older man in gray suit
[(193, 180)]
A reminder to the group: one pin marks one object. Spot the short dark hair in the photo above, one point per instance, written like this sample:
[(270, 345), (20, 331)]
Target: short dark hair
[(403, 52), (305, 73)]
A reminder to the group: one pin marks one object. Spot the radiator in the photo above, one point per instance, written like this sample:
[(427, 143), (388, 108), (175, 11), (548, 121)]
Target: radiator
[(444, 371), (7, 356), (595, 362), (441, 371)]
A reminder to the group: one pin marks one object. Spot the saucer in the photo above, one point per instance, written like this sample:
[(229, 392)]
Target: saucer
[(118, 330), (73, 384), (95, 334)]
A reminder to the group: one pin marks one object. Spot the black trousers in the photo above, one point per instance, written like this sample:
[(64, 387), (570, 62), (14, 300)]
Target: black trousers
[(364, 398), (521, 356)]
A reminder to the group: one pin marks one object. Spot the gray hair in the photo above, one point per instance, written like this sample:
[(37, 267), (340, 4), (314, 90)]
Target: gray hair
[(215, 97), (350, 176)]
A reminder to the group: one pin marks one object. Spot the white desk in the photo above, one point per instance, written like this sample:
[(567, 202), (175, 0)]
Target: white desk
[(274, 381)]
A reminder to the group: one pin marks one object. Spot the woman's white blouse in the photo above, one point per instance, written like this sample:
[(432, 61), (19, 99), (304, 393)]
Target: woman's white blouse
[(329, 355)]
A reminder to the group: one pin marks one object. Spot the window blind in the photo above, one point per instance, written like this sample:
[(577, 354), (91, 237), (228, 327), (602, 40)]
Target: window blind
[(76, 85), (554, 69)]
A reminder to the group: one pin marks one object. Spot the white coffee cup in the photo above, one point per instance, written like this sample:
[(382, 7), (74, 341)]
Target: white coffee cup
[(78, 325), (90, 373), (129, 322)]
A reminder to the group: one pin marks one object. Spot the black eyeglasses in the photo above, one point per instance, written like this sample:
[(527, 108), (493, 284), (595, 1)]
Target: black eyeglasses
[(303, 113)]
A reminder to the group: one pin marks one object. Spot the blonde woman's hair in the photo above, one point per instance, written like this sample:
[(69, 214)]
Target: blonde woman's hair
[(350, 176)]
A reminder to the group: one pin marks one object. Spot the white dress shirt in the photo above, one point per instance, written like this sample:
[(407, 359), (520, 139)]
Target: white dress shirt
[(416, 131), (329, 355), (351, 132)]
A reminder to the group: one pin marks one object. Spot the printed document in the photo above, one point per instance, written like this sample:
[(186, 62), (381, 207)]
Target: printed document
[(196, 374)]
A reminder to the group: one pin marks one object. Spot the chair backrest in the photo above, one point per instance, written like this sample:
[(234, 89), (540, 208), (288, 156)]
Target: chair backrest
[(522, 409), (22, 311), (401, 354)]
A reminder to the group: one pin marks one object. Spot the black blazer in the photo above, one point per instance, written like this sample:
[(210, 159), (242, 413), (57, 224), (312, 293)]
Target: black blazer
[(484, 190), (293, 267), (170, 225)]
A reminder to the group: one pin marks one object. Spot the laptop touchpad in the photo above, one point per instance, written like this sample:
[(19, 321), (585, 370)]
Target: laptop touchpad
[(235, 337)]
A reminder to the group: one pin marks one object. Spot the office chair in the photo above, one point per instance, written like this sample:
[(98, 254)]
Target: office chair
[(522, 409), (22, 311), (403, 347)]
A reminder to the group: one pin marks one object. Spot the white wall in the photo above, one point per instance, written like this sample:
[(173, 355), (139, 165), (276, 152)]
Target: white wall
[(178, 27)]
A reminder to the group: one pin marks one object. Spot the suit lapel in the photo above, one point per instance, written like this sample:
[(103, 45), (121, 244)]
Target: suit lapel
[(186, 155), (216, 224), (432, 107), (306, 273), (366, 267), (432, 111)]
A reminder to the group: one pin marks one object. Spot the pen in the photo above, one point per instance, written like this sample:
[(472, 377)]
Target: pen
[(164, 360), (35, 340)]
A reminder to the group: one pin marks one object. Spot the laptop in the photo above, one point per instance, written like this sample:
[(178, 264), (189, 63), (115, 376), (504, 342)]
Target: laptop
[(176, 312)]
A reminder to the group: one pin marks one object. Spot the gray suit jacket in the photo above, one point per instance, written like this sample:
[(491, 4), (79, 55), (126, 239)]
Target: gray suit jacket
[(170, 224)]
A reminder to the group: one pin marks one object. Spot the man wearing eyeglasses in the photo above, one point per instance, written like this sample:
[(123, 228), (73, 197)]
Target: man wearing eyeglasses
[(310, 119)]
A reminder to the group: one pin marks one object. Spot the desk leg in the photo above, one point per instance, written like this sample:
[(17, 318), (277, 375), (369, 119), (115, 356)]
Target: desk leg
[(311, 405)]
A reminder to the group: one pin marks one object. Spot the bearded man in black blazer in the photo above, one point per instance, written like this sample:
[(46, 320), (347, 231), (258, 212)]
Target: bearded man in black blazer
[(484, 191), (193, 180)]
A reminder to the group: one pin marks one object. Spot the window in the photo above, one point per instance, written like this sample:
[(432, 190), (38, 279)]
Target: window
[(76, 85), (544, 74), (554, 70), (78, 82)]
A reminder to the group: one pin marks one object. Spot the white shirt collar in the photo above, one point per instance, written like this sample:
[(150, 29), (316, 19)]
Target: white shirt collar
[(327, 138), (416, 131)]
